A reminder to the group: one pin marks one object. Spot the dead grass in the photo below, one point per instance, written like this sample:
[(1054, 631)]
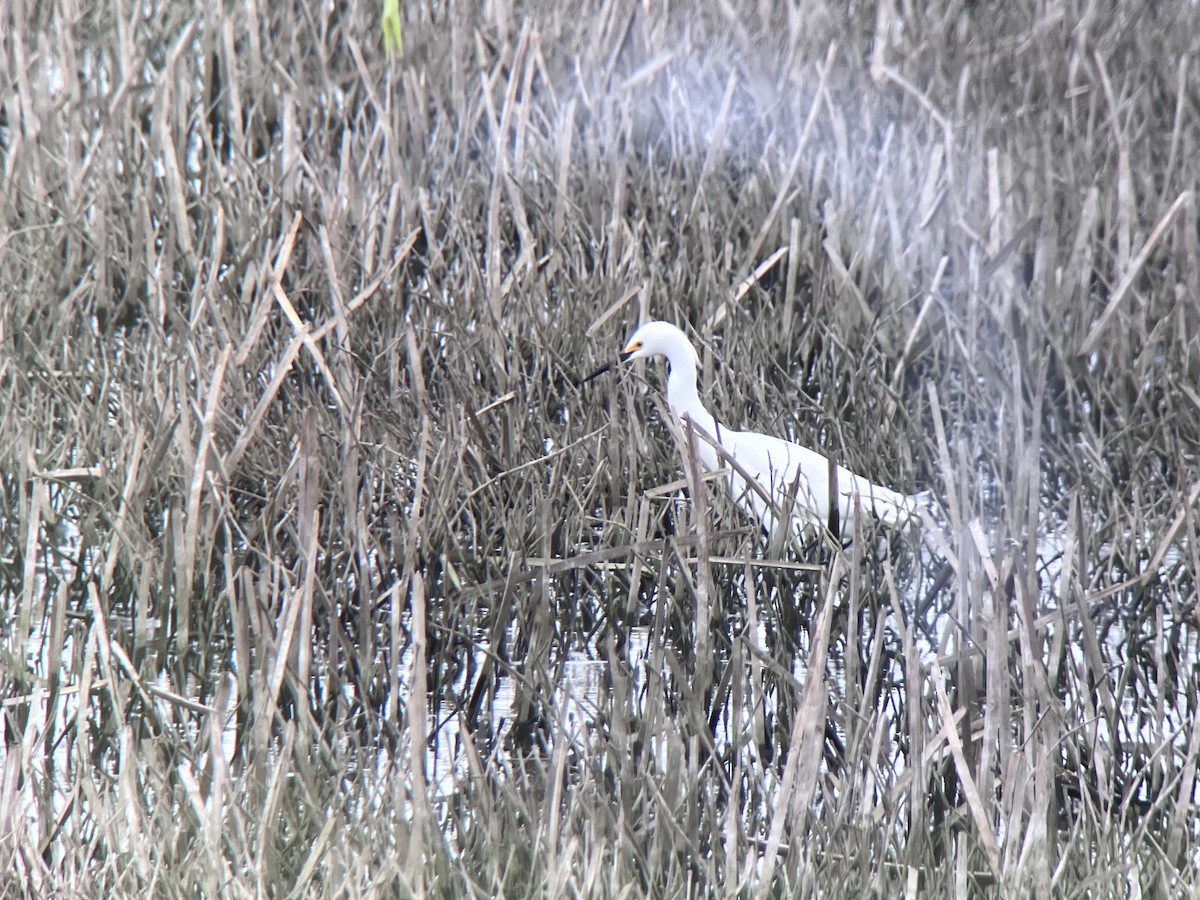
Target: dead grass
[(296, 483)]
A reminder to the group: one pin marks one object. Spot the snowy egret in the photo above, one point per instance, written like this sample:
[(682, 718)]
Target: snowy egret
[(794, 478)]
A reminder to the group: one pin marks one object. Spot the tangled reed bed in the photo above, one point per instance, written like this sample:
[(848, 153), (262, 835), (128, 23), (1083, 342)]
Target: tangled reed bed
[(295, 473)]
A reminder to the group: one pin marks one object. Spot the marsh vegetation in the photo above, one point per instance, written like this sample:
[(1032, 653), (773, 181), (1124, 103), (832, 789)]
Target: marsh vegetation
[(306, 525)]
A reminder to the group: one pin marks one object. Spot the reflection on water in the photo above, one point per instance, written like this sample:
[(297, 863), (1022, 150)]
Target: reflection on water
[(583, 696), (606, 677)]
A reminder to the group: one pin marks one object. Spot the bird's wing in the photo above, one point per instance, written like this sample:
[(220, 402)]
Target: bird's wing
[(792, 473), (783, 469)]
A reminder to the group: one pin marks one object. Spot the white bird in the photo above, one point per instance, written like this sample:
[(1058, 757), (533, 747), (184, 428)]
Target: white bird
[(794, 477)]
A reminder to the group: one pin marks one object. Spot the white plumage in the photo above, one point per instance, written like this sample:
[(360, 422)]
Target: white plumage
[(792, 476)]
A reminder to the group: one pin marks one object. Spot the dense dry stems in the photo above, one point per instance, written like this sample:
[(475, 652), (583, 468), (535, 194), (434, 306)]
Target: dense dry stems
[(304, 519)]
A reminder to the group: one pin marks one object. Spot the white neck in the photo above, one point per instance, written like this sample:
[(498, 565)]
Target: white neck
[(682, 396)]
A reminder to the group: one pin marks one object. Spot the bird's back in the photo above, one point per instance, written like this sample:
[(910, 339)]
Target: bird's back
[(798, 478)]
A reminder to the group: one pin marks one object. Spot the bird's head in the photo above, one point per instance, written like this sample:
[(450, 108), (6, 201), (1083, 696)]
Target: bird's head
[(660, 339)]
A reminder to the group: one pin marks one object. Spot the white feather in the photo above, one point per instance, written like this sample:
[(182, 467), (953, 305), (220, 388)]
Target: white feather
[(794, 477)]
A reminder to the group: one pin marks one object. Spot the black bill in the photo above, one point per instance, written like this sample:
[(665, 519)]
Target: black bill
[(600, 371)]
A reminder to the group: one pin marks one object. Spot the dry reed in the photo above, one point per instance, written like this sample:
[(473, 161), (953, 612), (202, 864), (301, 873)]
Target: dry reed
[(305, 523)]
